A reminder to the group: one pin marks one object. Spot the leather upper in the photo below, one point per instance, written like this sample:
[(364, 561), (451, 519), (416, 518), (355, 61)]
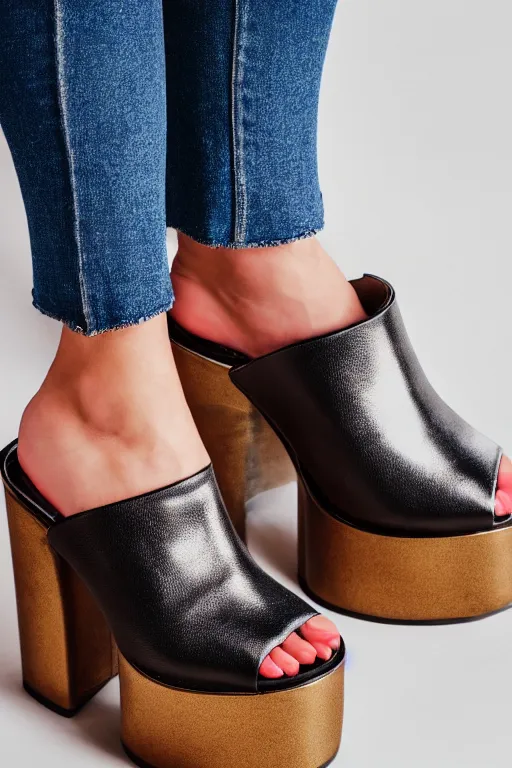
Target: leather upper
[(374, 442), (185, 601)]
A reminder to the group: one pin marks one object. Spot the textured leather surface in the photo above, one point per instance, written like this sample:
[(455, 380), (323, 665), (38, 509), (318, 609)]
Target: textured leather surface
[(374, 442), (185, 601)]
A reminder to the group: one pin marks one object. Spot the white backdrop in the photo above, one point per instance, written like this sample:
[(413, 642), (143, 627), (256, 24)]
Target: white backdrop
[(416, 162)]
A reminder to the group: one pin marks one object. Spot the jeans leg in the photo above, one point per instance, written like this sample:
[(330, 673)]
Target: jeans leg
[(243, 84), (82, 105)]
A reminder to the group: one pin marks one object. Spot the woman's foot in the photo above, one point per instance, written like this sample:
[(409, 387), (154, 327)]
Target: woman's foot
[(257, 300), (111, 422)]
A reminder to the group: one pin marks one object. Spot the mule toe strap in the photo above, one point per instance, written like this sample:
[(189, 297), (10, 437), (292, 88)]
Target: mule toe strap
[(373, 441), (187, 604)]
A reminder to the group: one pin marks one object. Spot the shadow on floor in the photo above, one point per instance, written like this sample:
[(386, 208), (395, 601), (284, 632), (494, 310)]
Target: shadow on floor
[(97, 725)]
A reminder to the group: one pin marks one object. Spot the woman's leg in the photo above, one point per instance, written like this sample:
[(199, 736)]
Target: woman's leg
[(83, 109), (82, 104), (255, 78)]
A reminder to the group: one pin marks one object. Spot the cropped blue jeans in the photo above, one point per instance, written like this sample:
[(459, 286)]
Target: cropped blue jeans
[(124, 116)]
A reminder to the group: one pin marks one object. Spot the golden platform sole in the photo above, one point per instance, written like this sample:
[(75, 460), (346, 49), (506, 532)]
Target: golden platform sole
[(441, 579), (68, 654), (388, 578), (247, 456), (165, 727), (67, 650)]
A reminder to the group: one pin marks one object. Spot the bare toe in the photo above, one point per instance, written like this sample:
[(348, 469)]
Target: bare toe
[(321, 630), (300, 649), (319, 638), (322, 651), (503, 504), (284, 661), (269, 669)]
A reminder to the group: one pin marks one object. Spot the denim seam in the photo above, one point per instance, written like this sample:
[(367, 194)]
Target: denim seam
[(237, 123), (63, 104), (123, 324), (258, 244)]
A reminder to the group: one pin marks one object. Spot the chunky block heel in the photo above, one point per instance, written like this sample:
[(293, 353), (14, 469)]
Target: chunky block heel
[(247, 456), (67, 651), (193, 618), (396, 491)]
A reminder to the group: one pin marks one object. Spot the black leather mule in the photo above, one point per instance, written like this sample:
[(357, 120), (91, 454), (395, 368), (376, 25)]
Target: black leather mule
[(396, 491), (163, 583)]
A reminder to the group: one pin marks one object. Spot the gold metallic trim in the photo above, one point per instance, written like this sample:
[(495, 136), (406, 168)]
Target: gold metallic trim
[(67, 650), (405, 579), (169, 728), (246, 455)]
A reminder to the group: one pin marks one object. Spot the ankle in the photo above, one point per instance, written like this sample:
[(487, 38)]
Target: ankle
[(109, 384), (259, 299), (111, 409)]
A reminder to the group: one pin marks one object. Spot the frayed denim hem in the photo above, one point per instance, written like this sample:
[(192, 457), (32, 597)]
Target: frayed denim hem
[(73, 326), (260, 244)]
